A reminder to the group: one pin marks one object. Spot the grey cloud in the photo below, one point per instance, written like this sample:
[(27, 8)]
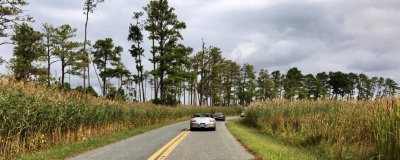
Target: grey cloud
[(375, 63), (308, 23), (352, 36)]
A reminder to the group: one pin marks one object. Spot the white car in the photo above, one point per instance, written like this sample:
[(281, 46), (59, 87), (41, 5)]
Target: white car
[(202, 121)]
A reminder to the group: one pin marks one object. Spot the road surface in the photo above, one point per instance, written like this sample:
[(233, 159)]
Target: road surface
[(173, 142)]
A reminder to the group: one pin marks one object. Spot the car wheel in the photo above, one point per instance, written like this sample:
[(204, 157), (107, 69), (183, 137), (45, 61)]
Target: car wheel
[(214, 128), (191, 129)]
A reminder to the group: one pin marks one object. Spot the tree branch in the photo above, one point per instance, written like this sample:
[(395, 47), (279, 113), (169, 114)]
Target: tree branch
[(6, 43)]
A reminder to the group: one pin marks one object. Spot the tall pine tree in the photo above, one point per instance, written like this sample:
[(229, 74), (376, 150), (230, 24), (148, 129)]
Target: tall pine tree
[(165, 29), (136, 36), (28, 50), (107, 56)]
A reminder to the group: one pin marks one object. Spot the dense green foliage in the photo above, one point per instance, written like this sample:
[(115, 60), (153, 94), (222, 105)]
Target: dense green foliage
[(48, 42), (35, 118), (65, 49), (339, 129), (164, 26), (10, 15), (107, 57), (136, 35), (27, 51)]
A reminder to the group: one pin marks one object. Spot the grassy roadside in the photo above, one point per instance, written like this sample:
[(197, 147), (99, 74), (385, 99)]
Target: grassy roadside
[(265, 146), (70, 150)]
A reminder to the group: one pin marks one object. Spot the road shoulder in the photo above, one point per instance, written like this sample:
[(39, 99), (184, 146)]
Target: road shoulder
[(74, 149), (265, 146)]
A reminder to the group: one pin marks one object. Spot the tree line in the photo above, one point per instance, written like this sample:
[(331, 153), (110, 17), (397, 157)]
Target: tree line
[(177, 75)]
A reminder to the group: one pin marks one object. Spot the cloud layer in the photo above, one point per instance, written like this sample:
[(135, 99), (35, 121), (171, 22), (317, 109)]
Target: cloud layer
[(313, 35)]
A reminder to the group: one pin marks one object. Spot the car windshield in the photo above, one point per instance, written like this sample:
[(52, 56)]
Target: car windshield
[(202, 115), (217, 114)]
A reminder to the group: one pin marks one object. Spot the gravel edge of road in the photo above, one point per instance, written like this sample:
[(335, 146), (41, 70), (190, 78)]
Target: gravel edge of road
[(241, 143)]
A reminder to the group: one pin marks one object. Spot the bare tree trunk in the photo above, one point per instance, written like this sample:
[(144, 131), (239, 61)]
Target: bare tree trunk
[(48, 64), (104, 86), (184, 96), (162, 63), (84, 50), (95, 71), (151, 91), (191, 93), (202, 76), (105, 79), (145, 91), (62, 72), (154, 77), (143, 96), (194, 95)]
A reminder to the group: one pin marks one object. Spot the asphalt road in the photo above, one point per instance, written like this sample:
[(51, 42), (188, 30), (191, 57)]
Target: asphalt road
[(219, 144)]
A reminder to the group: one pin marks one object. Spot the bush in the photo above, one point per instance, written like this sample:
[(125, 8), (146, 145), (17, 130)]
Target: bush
[(116, 94), (169, 100), (89, 90)]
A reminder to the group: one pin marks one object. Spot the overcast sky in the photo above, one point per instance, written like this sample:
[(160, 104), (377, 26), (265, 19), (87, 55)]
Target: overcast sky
[(358, 36)]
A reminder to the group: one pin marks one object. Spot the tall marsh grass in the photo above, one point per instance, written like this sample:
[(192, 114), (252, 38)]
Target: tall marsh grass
[(338, 129), (387, 131), (34, 118)]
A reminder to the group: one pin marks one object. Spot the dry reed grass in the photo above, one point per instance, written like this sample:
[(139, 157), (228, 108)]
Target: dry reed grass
[(339, 129), (34, 117)]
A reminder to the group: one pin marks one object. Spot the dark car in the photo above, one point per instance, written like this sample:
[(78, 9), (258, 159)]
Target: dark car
[(219, 116)]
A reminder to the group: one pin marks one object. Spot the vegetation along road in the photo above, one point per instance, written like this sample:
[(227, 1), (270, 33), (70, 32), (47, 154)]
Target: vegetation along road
[(174, 142)]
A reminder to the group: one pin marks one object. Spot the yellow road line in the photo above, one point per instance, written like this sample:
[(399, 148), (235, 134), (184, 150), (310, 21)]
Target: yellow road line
[(172, 147), (155, 155)]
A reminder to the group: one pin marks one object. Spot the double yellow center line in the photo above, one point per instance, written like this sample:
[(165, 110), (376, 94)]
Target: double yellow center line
[(169, 147)]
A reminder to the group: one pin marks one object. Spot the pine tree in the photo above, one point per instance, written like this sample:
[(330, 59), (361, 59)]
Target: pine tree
[(265, 85), (28, 50), (151, 26), (391, 87), (65, 49), (232, 74), (292, 83), (215, 75), (105, 54), (178, 60), (308, 87), (321, 89), (247, 85), (135, 35), (48, 35), (10, 16), (164, 27), (88, 7), (276, 78)]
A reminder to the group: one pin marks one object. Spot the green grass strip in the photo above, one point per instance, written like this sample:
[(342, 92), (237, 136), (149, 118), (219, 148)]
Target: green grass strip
[(70, 150), (266, 146)]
